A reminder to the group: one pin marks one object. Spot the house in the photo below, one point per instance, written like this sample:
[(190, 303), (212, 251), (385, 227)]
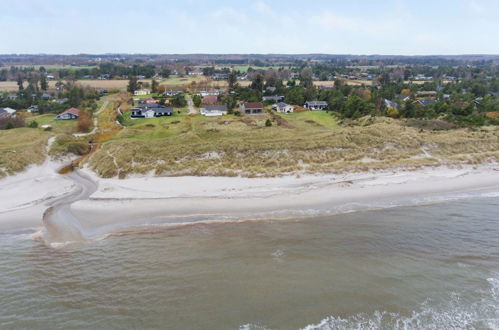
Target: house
[(46, 96), (214, 110), (151, 111), (283, 107), (196, 72), (391, 104), (60, 101), (206, 93), (424, 103), (273, 98), (33, 108), (69, 114), (426, 93), (7, 112), (315, 105), (12, 96), (142, 92), (220, 76), (251, 108), (171, 93), (101, 90), (210, 99)]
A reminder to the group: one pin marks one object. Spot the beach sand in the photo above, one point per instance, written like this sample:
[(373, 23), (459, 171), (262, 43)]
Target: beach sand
[(148, 200)]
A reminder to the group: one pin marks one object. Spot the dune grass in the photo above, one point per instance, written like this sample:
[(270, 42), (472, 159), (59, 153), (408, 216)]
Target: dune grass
[(20, 148), (300, 142)]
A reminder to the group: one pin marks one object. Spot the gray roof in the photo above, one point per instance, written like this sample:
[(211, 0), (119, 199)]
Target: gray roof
[(215, 108), (282, 105), (315, 103)]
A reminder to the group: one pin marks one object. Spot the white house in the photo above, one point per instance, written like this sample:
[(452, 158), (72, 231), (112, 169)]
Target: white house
[(213, 110), (142, 92), (315, 105), (283, 107)]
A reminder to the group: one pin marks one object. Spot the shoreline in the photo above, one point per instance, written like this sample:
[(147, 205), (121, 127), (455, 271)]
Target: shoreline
[(141, 201)]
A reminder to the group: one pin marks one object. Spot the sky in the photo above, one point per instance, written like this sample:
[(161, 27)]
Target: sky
[(363, 27)]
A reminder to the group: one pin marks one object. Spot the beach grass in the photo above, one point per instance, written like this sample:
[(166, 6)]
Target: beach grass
[(21, 147), (299, 142)]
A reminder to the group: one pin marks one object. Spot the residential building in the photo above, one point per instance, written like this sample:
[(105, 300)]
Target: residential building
[(315, 105), (151, 111), (273, 98), (210, 99), (251, 108), (69, 114), (213, 110), (7, 112), (142, 92), (283, 107)]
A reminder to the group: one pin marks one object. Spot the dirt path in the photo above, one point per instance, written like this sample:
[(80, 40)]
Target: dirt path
[(104, 105), (190, 105)]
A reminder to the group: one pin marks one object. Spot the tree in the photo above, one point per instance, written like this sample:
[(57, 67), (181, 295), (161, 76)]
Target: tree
[(232, 79), (356, 107), (197, 100), (20, 83), (154, 86), (132, 84), (179, 100), (43, 83), (268, 123), (257, 83), (306, 77)]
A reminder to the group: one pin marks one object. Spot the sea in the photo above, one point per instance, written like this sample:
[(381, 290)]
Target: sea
[(431, 266)]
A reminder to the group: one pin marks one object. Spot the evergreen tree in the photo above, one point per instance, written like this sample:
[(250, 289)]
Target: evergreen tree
[(132, 84)]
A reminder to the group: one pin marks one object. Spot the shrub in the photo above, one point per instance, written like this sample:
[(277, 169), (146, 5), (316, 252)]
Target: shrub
[(268, 123), (84, 121), (33, 124)]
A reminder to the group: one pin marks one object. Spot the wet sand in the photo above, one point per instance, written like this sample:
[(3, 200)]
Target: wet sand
[(147, 200)]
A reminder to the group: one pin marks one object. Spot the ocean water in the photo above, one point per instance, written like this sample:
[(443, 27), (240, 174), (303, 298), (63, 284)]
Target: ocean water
[(430, 266)]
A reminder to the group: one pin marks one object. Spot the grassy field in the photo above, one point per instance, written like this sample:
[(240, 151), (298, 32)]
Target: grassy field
[(20, 148), (300, 142)]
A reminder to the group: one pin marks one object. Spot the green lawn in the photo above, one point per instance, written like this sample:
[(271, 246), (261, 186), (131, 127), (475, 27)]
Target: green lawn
[(311, 118), (58, 126)]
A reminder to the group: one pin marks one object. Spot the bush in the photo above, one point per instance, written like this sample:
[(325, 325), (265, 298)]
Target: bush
[(84, 121), (33, 124), (268, 123)]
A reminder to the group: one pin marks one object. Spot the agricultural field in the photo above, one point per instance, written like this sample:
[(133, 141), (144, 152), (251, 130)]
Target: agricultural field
[(54, 67)]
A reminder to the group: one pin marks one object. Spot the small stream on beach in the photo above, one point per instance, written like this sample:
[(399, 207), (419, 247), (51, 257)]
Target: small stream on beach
[(426, 266)]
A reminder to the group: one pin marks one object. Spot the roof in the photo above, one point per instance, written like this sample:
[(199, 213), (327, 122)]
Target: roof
[(210, 99), (282, 105), (7, 111), (316, 103), (215, 108), (253, 105), (426, 102), (72, 111)]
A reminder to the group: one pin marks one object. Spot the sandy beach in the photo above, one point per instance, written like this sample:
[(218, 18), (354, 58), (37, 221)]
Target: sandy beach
[(148, 200)]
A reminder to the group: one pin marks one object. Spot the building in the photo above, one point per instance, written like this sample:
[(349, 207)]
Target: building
[(101, 90), (220, 76), (33, 108), (70, 114), (142, 92), (171, 93), (391, 104), (7, 112), (60, 101), (315, 105), (210, 99), (425, 103), (214, 110), (46, 96), (151, 111), (251, 108), (273, 98), (283, 107)]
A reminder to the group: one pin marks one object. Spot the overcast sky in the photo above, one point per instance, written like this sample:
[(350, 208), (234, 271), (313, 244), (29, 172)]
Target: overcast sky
[(409, 27)]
